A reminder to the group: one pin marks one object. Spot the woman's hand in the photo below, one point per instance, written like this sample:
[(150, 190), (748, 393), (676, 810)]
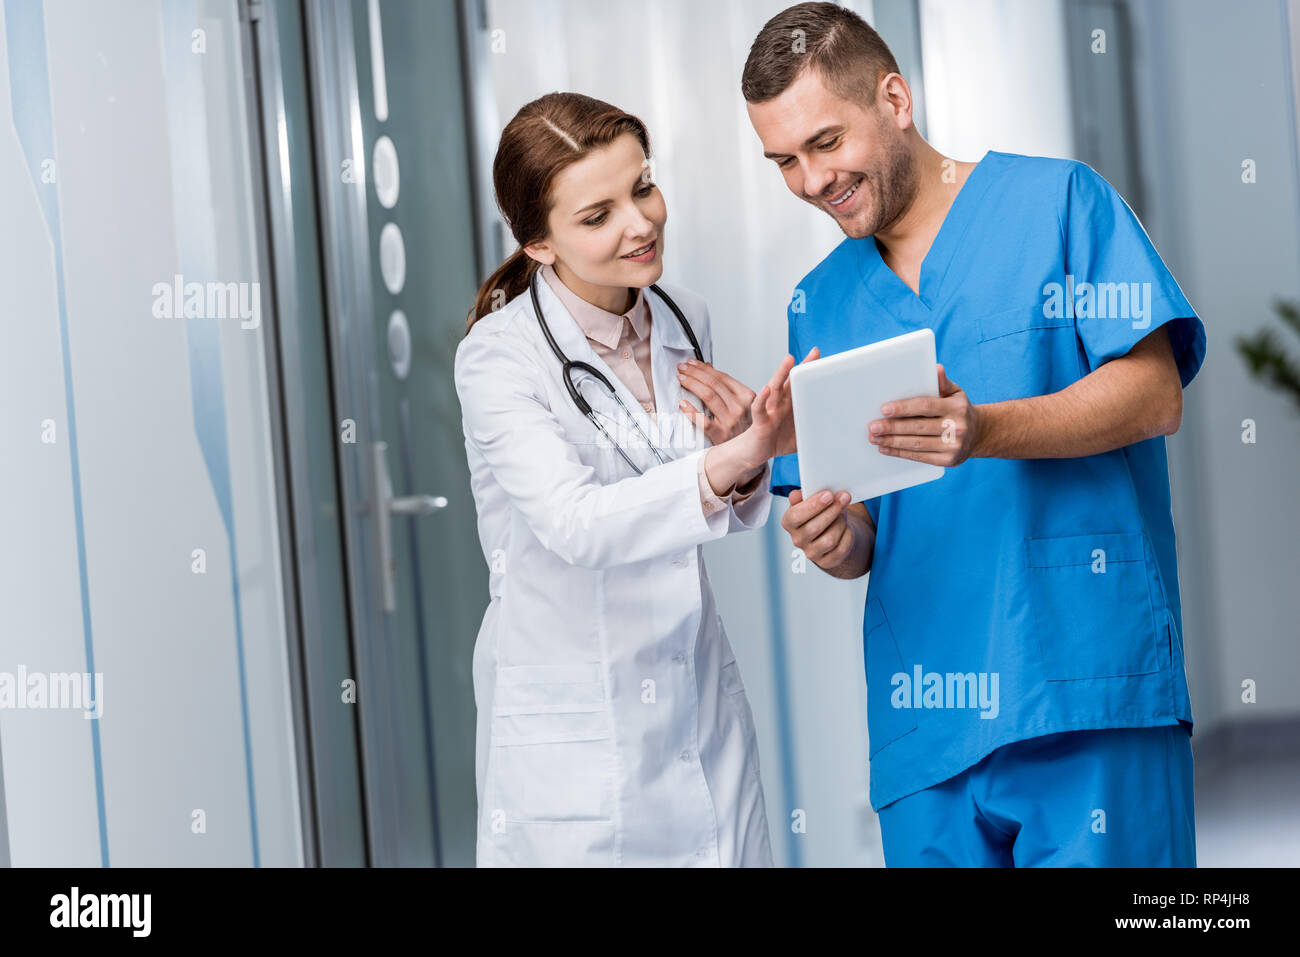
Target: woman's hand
[(770, 433), (772, 430), (731, 403), (772, 412), (727, 402), (783, 440)]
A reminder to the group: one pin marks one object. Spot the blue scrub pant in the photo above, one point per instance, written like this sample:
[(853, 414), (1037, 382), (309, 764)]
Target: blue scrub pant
[(1120, 797)]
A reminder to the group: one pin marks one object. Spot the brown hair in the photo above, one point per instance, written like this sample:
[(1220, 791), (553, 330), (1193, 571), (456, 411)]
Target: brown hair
[(545, 136), (846, 52)]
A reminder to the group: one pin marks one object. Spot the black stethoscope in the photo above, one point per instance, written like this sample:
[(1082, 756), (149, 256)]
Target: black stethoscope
[(568, 365)]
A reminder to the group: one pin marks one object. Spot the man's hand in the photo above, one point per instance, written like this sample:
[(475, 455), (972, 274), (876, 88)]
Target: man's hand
[(941, 431), (838, 537)]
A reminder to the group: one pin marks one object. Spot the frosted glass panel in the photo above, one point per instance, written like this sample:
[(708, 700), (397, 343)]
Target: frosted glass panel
[(137, 500)]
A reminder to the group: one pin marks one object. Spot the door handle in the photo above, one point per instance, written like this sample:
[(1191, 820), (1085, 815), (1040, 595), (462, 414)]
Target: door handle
[(416, 504), (388, 507)]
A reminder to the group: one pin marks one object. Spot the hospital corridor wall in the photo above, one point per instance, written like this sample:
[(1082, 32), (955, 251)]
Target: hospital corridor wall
[(138, 498)]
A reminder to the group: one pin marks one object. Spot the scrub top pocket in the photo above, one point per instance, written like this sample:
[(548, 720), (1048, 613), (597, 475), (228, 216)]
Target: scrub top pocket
[(551, 751), (1023, 352), (885, 723), (1092, 601)]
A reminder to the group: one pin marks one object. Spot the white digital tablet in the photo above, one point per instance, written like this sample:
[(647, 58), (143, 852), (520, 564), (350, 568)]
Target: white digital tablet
[(837, 397)]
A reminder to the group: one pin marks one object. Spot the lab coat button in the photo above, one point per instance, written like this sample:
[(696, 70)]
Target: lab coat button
[(679, 658), (685, 755)]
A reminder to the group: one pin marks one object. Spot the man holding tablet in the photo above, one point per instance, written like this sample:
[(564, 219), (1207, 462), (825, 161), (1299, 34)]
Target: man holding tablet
[(1027, 703)]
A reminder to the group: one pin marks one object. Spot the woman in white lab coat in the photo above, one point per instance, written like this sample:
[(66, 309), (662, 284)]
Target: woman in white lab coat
[(613, 727)]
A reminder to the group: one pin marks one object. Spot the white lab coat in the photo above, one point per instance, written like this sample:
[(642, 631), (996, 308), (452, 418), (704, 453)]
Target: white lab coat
[(613, 727)]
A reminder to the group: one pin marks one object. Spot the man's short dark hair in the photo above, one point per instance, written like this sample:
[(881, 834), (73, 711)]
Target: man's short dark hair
[(843, 48)]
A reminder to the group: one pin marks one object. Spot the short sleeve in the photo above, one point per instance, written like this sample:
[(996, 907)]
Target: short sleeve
[(785, 474), (873, 509), (785, 468), (1116, 283)]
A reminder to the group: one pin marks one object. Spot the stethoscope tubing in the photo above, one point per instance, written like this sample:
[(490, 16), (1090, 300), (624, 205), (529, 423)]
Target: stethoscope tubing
[(567, 366)]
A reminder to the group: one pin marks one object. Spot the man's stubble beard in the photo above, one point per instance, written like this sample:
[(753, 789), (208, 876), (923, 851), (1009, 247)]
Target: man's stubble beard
[(892, 187)]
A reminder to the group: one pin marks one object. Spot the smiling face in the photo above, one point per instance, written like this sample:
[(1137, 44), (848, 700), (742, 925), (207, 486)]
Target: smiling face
[(854, 163), (606, 225)]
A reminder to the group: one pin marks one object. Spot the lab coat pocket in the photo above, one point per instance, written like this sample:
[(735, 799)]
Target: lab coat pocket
[(733, 696), (552, 751), (1025, 353), (733, 693), (730, 678), (885, 723), (1092, 605)]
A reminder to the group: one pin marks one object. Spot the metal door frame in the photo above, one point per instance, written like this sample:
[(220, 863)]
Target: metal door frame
[(336, 109), (328, 839)]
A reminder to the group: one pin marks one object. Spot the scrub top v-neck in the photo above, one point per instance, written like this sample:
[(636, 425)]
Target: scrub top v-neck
[(1013, 598), (890, 290)]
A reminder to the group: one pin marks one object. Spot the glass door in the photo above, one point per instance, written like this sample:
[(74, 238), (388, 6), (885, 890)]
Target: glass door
[(399, 246)]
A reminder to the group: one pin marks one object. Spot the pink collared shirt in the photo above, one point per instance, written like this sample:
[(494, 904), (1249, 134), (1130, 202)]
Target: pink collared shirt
[(622, 342)]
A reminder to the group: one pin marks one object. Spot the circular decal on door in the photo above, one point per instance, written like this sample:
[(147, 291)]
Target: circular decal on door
[(392, 258), (386, 173), (399, 344)]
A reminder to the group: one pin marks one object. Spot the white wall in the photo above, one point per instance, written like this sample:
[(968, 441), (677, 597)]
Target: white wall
[(996, 77)]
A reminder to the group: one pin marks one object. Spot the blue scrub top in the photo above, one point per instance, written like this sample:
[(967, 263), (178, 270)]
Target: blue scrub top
[(1014, 597)]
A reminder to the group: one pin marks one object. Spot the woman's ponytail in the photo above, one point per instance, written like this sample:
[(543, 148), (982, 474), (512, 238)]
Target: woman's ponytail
[(511, 279)]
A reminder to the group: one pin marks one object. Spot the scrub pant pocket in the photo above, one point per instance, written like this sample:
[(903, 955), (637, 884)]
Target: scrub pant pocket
[(1119, 797)]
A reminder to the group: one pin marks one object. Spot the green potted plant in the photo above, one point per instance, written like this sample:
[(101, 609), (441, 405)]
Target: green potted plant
[(1268, 360)]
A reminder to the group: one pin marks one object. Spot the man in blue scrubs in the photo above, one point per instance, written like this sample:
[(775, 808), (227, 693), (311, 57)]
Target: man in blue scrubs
[(1027, 703)]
